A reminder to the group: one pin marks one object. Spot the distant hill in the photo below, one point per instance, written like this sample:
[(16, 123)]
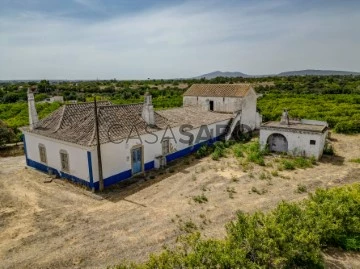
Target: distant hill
[(313, 72), (307, 72), (216, 74)]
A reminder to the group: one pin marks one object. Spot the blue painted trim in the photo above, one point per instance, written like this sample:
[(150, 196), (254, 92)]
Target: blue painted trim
[(118, 177), (149, 165), (46, 169), (91, 178), (189, 150), (122, 176), (115, 179)]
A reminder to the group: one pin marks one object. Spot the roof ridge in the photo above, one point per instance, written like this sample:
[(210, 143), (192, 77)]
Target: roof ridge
[(86, 103), (94, 129), (119, 105), (61, 118)]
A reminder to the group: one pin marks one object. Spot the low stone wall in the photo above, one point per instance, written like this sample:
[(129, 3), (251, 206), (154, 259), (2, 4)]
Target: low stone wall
[(12, 150)]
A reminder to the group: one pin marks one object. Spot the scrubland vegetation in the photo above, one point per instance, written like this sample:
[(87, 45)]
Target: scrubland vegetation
[(290, 236)]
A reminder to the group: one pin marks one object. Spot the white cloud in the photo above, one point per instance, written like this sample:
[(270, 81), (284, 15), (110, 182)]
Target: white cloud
[(179, 41)]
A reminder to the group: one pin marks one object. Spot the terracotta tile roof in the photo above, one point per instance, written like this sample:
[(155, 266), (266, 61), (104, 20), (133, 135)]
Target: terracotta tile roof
[(193, 115), (75, 123), (218, 90)]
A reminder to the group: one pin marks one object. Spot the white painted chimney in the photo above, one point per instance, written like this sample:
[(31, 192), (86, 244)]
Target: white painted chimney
[(148, 110), (33, 117), (285, 118)]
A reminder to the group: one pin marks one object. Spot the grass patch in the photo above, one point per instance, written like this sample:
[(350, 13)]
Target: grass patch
[(188, 226), (291, 163), (301, 188), (231, 191), (251, 151), (355, 160), (260, 192), (200, 199)]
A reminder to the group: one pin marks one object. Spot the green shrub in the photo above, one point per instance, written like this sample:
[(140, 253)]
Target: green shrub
[(291, 163), (237, 149), (329, 150), (288, 165), (202, 152), (253, 152), (200, 198), (301, 188), (335, 216), (217, 154), (290, 236), (301, 162), (355, 160)]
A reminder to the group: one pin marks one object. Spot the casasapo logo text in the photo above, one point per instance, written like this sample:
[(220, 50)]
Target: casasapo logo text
[(184, 134)]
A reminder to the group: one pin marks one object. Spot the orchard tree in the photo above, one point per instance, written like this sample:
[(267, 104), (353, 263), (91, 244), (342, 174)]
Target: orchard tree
[(6, 134)]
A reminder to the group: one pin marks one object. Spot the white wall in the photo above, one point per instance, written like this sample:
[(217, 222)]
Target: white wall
[(77, 156), (221, 104), (248, 115), (116, 158), (246, 104), (298, 141)]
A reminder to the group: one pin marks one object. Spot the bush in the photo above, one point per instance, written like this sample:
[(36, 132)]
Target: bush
[(253, 152), (301, 188), (355, 160), (202, 152), (292, 163), (219, 150), (288, 165), (200, 199), (6, 134), (329, 150), (290, 236), (216, 155)]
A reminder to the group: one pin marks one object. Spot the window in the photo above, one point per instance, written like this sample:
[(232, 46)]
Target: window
[(312, 142), (165, 146), (42, 152), (64, 158)]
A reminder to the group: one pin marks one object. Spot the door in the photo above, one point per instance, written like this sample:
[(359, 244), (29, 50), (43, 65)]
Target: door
[(211, 104), (277, 143), (136, 160)]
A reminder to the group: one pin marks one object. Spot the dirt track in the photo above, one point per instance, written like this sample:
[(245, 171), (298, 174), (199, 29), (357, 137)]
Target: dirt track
[(60, 225)]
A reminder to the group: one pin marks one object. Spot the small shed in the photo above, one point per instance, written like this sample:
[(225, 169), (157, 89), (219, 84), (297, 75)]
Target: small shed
[(296, 137)]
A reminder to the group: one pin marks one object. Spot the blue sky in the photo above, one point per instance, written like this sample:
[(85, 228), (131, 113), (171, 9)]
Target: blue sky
[(89, 39)]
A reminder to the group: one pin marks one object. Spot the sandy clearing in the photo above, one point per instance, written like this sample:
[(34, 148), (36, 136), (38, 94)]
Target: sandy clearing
[(60, 225)]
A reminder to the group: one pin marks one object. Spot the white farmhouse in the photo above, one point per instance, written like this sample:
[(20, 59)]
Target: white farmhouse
[(226, 98), (53, 99), (296, 137), (99, 144)]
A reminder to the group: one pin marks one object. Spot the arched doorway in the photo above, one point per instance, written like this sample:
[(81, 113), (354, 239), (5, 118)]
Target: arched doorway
[(277, 143)]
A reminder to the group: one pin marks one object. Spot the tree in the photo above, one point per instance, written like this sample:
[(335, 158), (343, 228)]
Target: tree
[(6, 134), (11, 97), (44, 86)]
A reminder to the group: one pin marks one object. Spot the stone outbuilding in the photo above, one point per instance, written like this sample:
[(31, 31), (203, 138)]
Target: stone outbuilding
[(238, 98), (296, 137)]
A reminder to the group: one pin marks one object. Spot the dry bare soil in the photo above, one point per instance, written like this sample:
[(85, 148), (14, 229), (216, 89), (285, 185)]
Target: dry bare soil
[(60, 225)]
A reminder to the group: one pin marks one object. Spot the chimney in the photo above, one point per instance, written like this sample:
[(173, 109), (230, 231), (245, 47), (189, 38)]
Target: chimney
[(33, 117), (285, 118), (148, 110)]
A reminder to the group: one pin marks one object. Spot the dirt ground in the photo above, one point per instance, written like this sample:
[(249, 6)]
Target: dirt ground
[(59, 225)]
